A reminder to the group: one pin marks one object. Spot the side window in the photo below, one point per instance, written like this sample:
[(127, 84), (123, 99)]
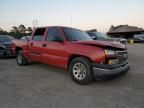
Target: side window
[(53, 33), (39, 33)]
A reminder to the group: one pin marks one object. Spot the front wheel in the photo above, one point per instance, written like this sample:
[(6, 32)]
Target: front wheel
[(80, 69), (21, 60)]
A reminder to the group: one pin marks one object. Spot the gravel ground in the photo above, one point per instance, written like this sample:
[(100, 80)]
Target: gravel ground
[(43, 86)]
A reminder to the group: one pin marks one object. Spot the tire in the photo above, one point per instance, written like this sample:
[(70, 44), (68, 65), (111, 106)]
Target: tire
[(21, 60), (81, 70)]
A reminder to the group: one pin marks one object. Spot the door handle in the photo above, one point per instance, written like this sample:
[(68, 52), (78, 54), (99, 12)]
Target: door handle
[(31, 44), (44, 45)]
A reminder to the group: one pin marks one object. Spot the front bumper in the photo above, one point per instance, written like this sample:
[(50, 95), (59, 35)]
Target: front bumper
[(6, 52), (104, 70)]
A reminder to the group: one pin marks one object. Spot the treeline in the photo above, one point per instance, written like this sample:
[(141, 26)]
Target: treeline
[(17, 31)]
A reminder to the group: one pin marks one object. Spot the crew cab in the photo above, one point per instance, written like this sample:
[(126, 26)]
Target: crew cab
[(73, 50)]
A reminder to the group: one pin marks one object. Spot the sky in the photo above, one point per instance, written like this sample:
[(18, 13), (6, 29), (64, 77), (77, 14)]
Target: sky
[(81, 14)]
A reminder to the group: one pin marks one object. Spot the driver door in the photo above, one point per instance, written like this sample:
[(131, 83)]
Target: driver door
[(54, 49)]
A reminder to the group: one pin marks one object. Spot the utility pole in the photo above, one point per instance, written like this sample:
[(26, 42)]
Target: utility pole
[(71, 20)]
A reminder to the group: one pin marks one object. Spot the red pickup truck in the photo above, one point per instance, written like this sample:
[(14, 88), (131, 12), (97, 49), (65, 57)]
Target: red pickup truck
[(73, 50)]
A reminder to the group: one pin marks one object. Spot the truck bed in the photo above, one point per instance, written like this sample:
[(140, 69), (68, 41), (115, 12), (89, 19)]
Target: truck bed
[(17, 43)]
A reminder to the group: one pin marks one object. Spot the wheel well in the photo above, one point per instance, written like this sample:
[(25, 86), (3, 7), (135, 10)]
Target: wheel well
[(75, 56), (18, 49)]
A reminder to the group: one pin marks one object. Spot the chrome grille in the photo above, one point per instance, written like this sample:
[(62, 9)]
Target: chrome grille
[(122, 56)]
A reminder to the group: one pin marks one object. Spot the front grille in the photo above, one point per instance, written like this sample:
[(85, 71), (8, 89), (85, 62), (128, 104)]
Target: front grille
[(8, 46), (122, 56), (120, 53)]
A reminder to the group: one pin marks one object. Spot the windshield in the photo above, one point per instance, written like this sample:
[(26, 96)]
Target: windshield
[(139, 36), (76, 35), (142, 36), (101, 36)]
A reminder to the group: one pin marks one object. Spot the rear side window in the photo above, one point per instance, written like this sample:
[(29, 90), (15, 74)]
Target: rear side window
[(52, 34), (39, 34)]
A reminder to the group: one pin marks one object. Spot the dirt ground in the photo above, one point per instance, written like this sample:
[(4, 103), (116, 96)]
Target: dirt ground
[(42, 86)]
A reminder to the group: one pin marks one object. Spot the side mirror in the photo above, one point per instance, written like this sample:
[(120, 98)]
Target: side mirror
[(93, 37), (58, 39)]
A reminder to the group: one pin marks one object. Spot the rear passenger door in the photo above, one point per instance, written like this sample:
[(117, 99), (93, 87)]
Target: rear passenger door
[(35, 44), (54, 52)]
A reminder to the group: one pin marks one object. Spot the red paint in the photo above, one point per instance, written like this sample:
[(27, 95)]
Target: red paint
[(59, 53)]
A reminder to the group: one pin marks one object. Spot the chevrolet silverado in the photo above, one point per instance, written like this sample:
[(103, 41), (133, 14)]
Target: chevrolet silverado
[(73, 50)]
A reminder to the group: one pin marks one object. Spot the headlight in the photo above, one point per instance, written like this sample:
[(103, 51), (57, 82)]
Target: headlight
[(110, 52), (3, 46)]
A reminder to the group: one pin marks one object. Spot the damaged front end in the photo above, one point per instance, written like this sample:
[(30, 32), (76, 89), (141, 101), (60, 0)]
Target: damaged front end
[(116, 63)]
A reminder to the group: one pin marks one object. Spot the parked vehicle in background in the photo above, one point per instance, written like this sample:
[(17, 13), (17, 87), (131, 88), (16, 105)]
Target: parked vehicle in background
[(25, 38), (139, 38), (75, 51), (104, 37), (6, 45)]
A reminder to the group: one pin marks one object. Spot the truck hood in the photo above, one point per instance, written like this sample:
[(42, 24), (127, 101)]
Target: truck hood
[(103, 44)]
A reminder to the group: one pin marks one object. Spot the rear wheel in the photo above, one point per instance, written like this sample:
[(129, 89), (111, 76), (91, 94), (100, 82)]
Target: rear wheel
[(80, 69), (21, 60)]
